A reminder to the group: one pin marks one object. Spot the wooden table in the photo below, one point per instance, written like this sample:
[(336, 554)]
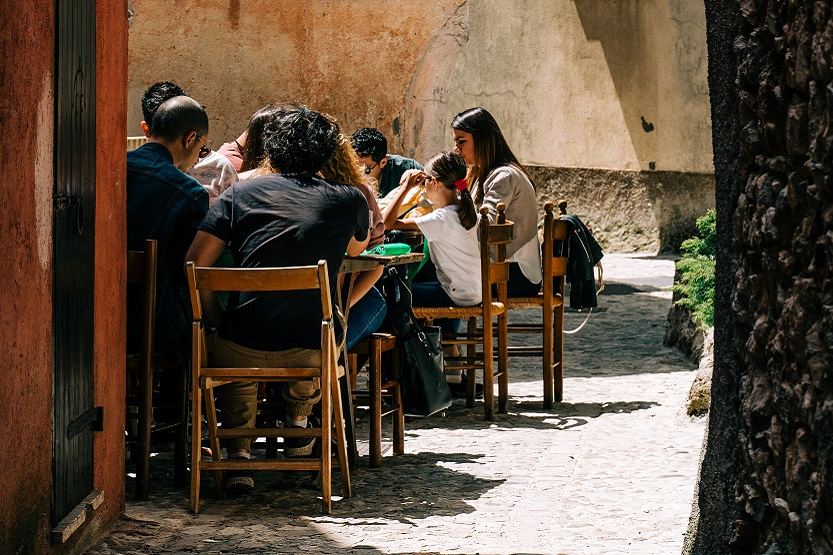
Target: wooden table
[(352, 266)]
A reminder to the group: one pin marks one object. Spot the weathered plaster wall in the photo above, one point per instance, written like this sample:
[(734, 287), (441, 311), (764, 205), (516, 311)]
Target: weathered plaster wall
[(768, 472), (616, 85), (26, 113), (354, 60), (570, 82)]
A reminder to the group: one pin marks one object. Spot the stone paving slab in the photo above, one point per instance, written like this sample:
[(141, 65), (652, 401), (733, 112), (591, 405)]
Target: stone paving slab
[(610, 470)]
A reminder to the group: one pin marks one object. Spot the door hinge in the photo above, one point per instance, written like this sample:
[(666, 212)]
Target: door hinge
[(61, 201), (93, 418)]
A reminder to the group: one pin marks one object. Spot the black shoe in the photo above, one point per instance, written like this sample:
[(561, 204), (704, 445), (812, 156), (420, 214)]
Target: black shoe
[(300, 446), (238, 482), (459, 390)]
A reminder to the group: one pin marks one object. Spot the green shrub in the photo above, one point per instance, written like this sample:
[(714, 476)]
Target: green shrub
[(696, 284)]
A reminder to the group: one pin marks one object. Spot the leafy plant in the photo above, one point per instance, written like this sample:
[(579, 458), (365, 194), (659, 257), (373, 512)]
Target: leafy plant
[(696, 284)]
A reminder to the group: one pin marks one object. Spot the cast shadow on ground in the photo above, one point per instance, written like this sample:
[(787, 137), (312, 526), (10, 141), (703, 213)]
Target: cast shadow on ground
[(384, 494), (526, 414)]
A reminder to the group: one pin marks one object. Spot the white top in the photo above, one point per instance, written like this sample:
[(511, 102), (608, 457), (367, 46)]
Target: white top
[(215, 173), (456, 254), (528, 258)]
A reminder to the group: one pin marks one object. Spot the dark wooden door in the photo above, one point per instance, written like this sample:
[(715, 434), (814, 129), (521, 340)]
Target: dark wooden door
[(73, 255)]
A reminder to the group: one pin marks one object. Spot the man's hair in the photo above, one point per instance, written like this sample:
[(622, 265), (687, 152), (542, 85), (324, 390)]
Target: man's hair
[(369, 141), (155, 95), (179, 116), (300, 140)]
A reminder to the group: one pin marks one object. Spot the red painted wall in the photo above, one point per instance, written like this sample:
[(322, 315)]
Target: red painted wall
[(110, 257), (26, 114), (27, 38)]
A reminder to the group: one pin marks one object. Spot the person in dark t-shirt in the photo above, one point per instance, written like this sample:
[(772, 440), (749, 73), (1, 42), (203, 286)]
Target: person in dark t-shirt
[(290, 218)]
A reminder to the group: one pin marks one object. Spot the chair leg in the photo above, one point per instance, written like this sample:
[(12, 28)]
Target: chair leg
[(375, 370), (211, 417), (327, 400), (399, 415), (558, 350), (346, 401), (142, 451), (503, 363), (341, 437), (196, 444), (471, 355), (488, 372), (548, 333), (180, 445)]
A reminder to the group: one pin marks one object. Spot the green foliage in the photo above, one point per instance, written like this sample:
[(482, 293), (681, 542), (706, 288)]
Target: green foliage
[(696, 284)]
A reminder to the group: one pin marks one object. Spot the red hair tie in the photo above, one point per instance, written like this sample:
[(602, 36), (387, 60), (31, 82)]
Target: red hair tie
[(461, 184)]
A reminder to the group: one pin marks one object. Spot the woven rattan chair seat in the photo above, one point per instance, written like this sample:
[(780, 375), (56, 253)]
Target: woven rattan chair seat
[(435, 312)]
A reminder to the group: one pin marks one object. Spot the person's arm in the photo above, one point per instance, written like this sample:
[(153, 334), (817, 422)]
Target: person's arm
[(356, 247), (499, 187), (410, 179), (204, 251), (363, 282)]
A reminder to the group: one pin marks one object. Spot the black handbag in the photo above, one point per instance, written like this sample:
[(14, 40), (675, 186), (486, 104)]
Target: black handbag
[(424, 389)]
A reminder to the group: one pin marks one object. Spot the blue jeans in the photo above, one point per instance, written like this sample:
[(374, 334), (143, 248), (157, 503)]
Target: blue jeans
[(431, 293), (365, 316)]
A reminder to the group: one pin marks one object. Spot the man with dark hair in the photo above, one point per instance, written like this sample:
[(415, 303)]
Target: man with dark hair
[(288, 218), (153, 97), (165, 204), (386, 169), (213, 171)]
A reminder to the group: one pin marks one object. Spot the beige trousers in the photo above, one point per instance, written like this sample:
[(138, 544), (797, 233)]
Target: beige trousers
[(238, 400)]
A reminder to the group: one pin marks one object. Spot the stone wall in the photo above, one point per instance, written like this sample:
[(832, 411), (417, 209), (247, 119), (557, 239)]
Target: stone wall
[(595, 93), (630, 211), (768, 475)]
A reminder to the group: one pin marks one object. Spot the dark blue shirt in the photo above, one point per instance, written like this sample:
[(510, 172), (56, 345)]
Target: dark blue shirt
[(392, 172), (165, 204)]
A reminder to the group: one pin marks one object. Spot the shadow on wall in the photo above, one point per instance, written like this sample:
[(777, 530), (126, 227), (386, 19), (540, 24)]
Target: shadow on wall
[(656, 55)]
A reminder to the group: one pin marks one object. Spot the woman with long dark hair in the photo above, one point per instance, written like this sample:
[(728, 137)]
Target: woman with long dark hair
[(496, 176)]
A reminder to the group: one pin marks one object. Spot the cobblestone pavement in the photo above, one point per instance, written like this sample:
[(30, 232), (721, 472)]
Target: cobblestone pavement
[(611, 470)]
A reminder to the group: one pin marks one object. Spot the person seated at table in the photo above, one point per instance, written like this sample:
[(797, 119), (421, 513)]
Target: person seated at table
[(165, 204), (451, 232), (367, 305), (213, 171), (387, 169), (291, 217), (496, 176), (247, 152)]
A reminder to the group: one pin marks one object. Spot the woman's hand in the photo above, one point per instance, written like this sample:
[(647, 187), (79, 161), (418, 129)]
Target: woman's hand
[(412, 178)]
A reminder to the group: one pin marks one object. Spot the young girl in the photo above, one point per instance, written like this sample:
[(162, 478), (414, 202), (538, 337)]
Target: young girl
[(450, 231), (496, 176)]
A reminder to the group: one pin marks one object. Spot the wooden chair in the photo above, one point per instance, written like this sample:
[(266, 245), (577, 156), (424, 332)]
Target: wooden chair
[(205, 378), (494, 275), (379, 387), (551, 303), (141, 270)]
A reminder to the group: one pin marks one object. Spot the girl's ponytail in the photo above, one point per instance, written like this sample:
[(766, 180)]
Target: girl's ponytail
[(449, 168)]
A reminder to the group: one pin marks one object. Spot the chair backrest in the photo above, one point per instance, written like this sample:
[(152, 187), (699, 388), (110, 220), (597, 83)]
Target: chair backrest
[(141, 269), (296, 278), (554, 262), (498, 235)]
